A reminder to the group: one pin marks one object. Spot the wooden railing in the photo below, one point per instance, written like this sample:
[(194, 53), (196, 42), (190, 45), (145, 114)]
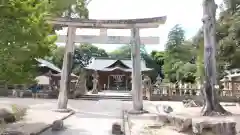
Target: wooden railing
[(173, 92), (22, 90), (189, 91), (231, 90)]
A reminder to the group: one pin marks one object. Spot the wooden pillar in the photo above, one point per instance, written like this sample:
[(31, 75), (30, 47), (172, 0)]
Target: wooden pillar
[(136, 72), (233, 88), (126, 80), (180, 89), (66, 69), (108, 82)]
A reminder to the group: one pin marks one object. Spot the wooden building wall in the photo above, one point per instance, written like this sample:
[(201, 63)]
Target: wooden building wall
[(104, 75)]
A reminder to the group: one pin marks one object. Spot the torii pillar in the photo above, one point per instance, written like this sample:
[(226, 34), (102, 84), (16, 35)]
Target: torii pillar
[(136, 73)]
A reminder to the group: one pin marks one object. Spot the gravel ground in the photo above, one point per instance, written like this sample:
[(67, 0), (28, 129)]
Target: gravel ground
[(101, 114)]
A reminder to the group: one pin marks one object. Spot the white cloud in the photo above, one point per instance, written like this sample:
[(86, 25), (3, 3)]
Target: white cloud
[(187, 13)]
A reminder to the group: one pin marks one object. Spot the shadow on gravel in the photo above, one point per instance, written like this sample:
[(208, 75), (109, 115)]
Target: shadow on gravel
[(97, 115), (67, 131), (27, 128)]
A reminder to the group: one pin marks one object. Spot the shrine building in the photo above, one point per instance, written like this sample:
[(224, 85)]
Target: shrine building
[(114, 74)]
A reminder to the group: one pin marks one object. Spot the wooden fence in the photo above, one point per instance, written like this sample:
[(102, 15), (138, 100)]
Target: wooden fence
[(8, 90), (227, 91)]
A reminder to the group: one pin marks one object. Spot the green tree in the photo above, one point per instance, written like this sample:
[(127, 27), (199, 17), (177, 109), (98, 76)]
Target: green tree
[(186, 72), (121, 52), (24, 37), (69, 9), (199, 50), (125, 52), (177, 52), (158, 56), (228, 37), (156, 61), (83, 55)]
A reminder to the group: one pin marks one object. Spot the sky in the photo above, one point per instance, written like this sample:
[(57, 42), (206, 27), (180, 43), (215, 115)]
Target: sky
[(187, 13)]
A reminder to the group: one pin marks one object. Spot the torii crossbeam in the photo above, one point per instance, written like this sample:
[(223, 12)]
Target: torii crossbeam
[(110, 24)]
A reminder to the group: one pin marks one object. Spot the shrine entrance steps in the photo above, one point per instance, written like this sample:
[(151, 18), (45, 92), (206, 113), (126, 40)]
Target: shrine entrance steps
[(108, 94)]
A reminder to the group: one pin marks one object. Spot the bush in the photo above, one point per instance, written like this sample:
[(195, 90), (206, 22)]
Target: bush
[(18, 112)]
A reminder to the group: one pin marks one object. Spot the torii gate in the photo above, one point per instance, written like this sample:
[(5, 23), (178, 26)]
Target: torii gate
[(133, 24)]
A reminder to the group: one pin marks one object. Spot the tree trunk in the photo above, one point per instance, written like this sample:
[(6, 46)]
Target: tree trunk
[(212, 105)]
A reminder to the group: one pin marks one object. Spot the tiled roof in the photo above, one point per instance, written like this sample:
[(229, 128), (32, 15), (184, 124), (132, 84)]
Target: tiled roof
[(44, 63), (102, 64)]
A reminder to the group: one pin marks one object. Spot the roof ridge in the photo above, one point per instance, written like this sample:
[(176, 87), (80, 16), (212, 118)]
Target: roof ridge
[(109, 58)]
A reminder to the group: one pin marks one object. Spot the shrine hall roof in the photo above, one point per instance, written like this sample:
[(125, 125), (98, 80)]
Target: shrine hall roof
[(44, 63), (103, 64)]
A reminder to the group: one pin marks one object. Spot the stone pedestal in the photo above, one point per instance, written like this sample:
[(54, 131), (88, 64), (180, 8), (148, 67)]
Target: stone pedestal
[(63, 110), (133, 111)]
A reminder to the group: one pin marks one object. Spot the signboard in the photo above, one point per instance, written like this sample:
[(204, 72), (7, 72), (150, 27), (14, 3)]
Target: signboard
[(107, 39), (103, 32), (110, 24)]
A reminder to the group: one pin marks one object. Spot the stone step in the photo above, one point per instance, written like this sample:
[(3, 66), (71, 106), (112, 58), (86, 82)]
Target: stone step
[(106, 96), (96, 99), (114, 97), (100, 97)]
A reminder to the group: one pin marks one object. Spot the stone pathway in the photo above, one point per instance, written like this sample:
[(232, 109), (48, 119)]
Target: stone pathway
[(96, 117), (82, 124), (95, 120), (37, 118)]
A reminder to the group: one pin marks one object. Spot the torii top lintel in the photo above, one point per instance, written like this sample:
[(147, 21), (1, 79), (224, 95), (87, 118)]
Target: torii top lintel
[(110, 24)]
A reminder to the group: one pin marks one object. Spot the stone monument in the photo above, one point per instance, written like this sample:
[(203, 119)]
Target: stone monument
[(14, 93), (95, 83), (80, 85), (146, 86), (158, 85)]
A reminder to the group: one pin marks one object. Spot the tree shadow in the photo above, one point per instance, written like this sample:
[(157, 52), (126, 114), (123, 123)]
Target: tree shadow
[(67, 131), (27, 127), (44, 129), (98, 115)]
